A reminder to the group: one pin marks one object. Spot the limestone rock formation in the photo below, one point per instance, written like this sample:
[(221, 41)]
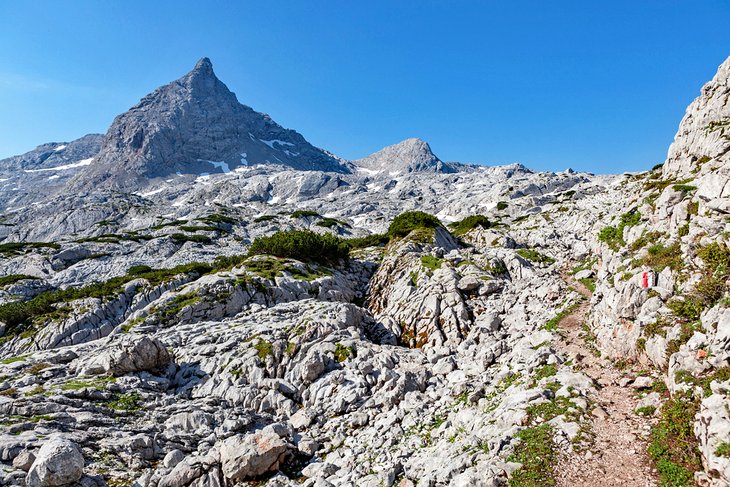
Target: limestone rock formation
[(137, 326)]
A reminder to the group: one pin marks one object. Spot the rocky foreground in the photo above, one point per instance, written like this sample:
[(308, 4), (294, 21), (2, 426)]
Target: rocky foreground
[(411, 322)]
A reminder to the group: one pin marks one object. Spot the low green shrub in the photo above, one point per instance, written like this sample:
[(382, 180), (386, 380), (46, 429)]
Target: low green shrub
[(218, 218), (611, 237), (264, 218), (405, 223), (331, 222), (20, 315), (13, 278), (138, 269), (342, 352), (303, 213), (614, 236), (181, 238), (535, 256), (469, 223), (659, 257), (303, 245), (15, 248), (684, 188), (374, 240)]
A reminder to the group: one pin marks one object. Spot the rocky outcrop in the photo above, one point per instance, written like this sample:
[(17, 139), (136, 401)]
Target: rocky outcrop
[(245, 457), (703, 138), (130, 354)]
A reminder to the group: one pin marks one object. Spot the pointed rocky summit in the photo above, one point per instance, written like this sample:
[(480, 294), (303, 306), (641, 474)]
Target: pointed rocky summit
[(194, 125)]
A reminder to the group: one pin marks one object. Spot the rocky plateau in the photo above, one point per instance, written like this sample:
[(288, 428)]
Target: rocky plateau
[(202, 298)]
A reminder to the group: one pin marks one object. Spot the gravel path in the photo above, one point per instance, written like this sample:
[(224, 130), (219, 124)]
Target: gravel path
[(617, 456)]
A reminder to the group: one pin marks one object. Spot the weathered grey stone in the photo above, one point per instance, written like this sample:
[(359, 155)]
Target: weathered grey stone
[(246, 456), (58, 463)]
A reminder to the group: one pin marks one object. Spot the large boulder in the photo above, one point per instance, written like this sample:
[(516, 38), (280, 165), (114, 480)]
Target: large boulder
[(247, 456), (131, 354), (58, 463)]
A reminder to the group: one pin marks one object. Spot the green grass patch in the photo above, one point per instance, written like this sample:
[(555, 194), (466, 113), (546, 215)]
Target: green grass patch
[(535, 256), (552, 324), (12, 360), (548, 370), (646, 410), (180, 301), (659, 257), (537, 455), (342, 352), (590, 283), (673, 446), (645, 239), (98, 383), (263, 349), (723, 449), (430, 262), (125, 402)]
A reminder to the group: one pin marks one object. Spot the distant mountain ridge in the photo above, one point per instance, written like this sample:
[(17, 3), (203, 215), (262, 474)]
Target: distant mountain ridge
[(192, 127)]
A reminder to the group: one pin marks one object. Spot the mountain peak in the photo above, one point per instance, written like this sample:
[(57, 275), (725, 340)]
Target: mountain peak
[(195, 125), (409, 155), (203, 64), (203, 70)]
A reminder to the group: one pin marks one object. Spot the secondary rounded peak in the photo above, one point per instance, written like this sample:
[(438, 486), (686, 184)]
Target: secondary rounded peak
[(409, 155), (413, 146)]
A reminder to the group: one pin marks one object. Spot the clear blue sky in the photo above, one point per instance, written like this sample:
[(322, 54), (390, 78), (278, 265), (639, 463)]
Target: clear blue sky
[(598, 86)]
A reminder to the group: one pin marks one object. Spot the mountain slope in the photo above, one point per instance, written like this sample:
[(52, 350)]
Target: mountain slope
[(44, 171), (195, 125)]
